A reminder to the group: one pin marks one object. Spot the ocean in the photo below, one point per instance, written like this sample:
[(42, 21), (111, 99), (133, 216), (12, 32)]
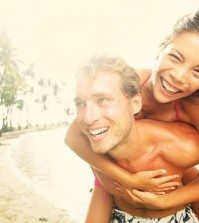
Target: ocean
[(56, 172)]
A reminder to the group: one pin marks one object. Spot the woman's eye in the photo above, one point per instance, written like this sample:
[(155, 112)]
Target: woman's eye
[(196, 73), (175, 57)]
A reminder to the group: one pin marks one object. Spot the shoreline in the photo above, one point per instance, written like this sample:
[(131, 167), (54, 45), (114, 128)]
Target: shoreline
[(10, 136), (20, 202)]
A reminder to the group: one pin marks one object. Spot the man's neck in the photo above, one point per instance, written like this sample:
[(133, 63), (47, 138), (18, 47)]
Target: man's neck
[(130, 147), (136, 152)]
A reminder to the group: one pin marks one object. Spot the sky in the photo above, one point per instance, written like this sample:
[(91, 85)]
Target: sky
[(58, 35)]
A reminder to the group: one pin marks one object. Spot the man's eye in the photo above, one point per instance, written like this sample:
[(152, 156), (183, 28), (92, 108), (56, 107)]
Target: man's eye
[(79, 104), (102, 100)]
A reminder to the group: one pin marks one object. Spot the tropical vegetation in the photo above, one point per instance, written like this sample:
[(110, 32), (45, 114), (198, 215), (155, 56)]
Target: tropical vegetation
[(26, 101)]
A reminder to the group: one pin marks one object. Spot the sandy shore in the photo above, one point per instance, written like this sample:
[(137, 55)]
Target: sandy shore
[(19, 202)]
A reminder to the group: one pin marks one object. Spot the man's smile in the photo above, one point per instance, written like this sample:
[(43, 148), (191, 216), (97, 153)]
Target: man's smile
[(98, 132)]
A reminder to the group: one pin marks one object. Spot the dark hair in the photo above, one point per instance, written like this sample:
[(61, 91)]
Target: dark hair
[(187, 24), (129, 78)]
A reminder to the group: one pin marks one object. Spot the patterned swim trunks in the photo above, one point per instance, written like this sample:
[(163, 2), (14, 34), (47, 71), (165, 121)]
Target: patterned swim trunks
[(184, 216)]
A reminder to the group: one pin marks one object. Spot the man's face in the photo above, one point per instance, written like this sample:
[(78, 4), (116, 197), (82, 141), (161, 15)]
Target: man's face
[(103, 111)]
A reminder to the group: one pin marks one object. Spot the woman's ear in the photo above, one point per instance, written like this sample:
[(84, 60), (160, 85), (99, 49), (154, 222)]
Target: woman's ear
[(136, 103)]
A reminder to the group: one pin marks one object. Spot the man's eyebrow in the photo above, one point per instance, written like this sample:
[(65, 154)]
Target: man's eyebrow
[(100, 94), (76, 99), (94, 95)]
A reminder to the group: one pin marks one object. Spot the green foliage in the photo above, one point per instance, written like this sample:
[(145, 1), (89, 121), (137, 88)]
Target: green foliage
[(11, 84), (8, 129), (20, 104), (11, 81), (19, 89)]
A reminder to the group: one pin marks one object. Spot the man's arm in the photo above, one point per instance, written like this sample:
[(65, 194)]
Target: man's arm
[(146, 180), (191, 175)]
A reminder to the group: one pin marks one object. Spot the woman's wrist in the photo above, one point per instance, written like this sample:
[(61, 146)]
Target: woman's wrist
[(125, 178)]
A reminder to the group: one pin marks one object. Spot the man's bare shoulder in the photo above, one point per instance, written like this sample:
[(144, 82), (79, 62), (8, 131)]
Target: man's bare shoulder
[(190, 109), (175, 139), (174, 128)]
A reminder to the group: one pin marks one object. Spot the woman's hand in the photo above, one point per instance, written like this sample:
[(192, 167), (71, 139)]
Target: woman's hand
[(142, 199), (151, 185), (152, 181)]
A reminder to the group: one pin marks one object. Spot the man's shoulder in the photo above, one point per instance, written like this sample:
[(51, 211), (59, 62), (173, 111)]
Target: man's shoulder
[(172, 127), (172, 133), (181, 144), (176, 142)]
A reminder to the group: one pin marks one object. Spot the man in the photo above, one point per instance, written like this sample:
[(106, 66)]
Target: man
[(107, 98)]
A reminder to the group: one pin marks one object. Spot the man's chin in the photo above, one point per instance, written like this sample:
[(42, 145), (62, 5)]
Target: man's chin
[(99, 150)]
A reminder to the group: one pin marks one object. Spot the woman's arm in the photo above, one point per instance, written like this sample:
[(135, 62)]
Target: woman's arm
[(145, 180), (100, 206), (186, 194)]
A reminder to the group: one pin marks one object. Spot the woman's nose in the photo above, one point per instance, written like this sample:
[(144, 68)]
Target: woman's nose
[(180, 75)]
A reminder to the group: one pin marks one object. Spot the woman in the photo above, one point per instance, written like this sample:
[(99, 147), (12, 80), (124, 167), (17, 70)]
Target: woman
[(170, 93)]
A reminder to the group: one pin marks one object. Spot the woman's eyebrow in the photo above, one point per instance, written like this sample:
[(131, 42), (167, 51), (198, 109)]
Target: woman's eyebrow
[(178, 52)]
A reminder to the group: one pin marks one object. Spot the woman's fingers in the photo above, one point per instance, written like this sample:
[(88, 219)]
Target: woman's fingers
[(167, 179)]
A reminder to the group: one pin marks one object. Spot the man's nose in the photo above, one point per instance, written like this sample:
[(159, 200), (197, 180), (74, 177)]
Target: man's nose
[(92, 114)]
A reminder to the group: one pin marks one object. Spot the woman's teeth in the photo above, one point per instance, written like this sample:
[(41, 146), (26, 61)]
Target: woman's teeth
[(169, 88)]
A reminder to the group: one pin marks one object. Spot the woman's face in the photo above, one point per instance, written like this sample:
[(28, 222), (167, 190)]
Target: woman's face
[(176, 73)]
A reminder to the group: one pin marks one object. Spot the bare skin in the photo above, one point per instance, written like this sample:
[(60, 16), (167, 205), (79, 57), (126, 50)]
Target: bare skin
[(174, 65), (150, 109), (151, 159), (100, 206), (105, 115), (172, 60), (152, 201)]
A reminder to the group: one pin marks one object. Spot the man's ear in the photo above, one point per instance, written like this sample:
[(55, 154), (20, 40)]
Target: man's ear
[(136, 103)]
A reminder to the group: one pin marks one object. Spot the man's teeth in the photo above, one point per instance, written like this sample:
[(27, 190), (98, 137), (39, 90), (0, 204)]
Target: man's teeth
[(98, 131), (168, 88)]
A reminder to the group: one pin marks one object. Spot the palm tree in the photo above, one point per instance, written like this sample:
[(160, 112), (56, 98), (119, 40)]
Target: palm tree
[(29, 75), (11, 82)]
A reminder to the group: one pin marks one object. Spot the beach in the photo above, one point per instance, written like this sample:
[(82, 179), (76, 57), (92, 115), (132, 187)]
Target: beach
[(39, 184)]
